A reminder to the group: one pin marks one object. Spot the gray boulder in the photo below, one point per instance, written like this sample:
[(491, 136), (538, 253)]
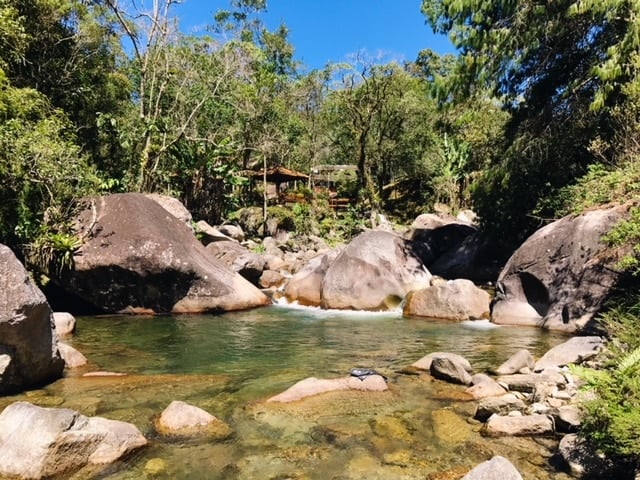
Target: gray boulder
[(29, 353), (374, 272), (474, 258), (501, 405), (498, 468), (520, 360), (575, 350), (455, 300), (518, 426), (581, 457), (425, 362), (38, 442), (240, 259), (449, 370), (559, 278), (138, 258)]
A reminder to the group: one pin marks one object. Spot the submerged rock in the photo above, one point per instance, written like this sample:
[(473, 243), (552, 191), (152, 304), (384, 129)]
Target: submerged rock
[(314, 386), (40, 442), (72, 357), (518, 425), (185, 420), (498, 468)]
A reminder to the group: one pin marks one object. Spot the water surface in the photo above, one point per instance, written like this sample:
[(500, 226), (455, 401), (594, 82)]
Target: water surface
[(229, 364)]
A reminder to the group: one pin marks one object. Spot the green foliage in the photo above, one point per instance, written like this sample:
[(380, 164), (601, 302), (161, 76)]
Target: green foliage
[(302, 218), (561, 69), (52, 253), (41, 167), (612, 415), (626, 233)]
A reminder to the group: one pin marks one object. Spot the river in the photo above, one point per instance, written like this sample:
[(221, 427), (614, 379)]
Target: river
[(229, 364)]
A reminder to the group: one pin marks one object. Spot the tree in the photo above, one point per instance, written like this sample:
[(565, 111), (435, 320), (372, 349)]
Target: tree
[(555, 66), (41, 167), (66, 50)]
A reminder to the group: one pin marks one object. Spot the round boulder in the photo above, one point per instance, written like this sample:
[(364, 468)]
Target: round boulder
[(374, 272), (449, 300)]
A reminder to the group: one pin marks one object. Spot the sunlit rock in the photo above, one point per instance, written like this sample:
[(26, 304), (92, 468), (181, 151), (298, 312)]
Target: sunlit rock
[(185, 420), (40, 442), (315, 386), (28, 342)]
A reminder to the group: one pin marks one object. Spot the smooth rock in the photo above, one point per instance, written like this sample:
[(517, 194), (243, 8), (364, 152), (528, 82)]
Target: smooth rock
[(498, 468), (449, 370), (526, 425), (65, 323), (425, 362), (575, 350), (455, 300), (38, 442), (72, 357), (314, 386), (185, 420), (516, 363)]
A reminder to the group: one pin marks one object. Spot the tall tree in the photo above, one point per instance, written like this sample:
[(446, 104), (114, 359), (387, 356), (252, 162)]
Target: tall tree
[(555, 66)]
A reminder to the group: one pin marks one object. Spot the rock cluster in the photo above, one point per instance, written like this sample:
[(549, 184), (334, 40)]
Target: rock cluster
[(527, 397)]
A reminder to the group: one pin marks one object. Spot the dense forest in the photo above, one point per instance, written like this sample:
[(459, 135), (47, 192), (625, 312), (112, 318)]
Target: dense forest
[(536, 117)]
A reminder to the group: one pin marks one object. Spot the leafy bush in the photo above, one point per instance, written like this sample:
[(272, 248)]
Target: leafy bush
[(612, 415)]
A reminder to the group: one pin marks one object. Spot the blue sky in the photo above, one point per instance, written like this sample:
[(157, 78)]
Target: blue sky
[(331, 30)]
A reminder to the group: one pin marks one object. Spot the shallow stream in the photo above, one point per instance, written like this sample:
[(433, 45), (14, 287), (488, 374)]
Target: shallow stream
[(229, 364)]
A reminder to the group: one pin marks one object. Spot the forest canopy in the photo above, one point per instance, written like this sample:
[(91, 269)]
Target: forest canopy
[(99, 97)]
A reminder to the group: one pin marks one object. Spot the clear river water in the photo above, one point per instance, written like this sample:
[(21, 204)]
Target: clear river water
[(230, 364)]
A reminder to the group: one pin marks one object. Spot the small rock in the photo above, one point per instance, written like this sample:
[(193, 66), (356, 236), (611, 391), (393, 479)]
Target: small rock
[(519, 361), (527, 425), (72, 357), (501, 405), (496, 468), (65, 323), (425, 362), (183, 419), (450, 371), (155, 466), (314, 386)]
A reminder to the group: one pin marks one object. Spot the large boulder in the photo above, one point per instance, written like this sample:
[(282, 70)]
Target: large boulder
[(38, 442), (456, 300), (560, 277), (305, 287), (374, 272), (137, 257), (474, 258), (29, 353), (436, 234)]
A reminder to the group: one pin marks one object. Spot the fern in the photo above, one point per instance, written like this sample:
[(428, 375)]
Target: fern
[(628, 362)]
